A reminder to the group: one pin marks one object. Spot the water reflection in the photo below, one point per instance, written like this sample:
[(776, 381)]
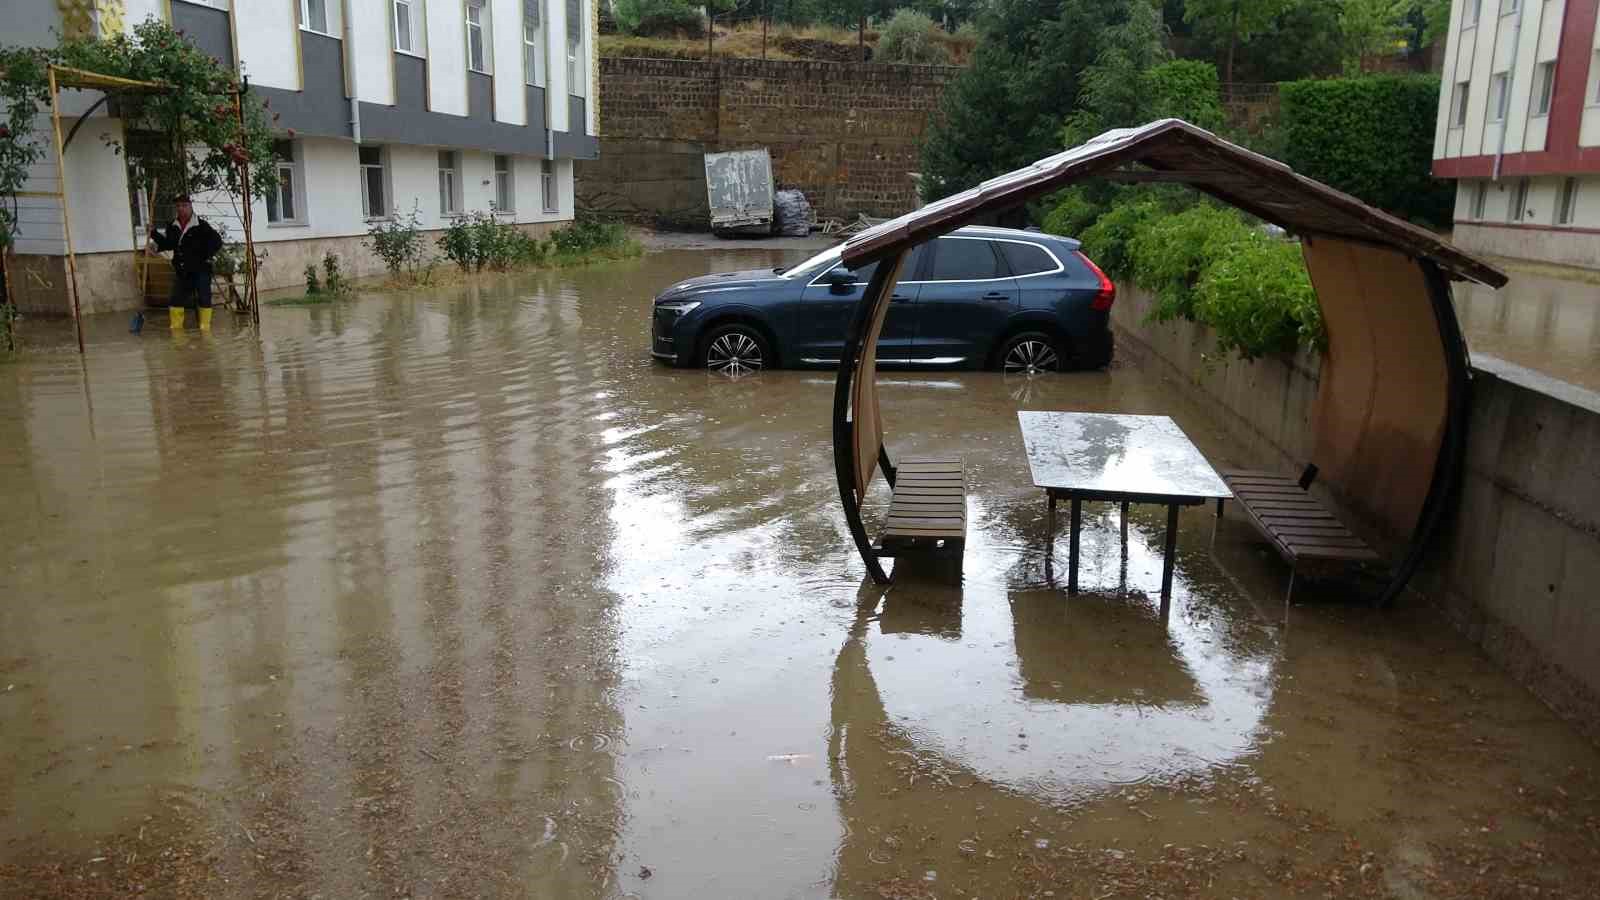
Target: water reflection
[(1545, 323)]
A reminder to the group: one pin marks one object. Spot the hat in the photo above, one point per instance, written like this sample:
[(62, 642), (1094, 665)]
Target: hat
[(182, 198)]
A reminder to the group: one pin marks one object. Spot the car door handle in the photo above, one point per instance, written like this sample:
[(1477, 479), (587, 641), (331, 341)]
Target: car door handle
[(996, 295), (899, 298)]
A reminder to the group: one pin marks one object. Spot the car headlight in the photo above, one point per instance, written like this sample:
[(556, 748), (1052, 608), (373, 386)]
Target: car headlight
[(681, 307)]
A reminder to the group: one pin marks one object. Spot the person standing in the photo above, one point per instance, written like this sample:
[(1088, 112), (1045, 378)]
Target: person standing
[(193, 243)]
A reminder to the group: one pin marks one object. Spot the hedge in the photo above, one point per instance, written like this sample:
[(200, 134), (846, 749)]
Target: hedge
[(1371, 137)]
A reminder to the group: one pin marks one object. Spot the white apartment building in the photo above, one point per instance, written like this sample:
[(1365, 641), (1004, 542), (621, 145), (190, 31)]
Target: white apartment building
[(385, 106), (1519, 128)]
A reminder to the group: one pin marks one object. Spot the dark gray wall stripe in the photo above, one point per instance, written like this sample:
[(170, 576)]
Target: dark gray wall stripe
[(480, 100), (410, 84), (536, 109), (575, 144), (322, 109), (205, 28)]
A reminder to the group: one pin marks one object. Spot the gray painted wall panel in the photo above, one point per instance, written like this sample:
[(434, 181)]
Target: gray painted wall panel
[(410, 84), (322, 108), (575, 144), (480, 96), (205, 28), (536, 109)]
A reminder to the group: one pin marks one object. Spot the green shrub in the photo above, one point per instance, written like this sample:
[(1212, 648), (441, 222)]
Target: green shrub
[(587, 234), (1185, 89), (313, 282), (911, 37), (659, 17), (1072, 213), (333, 277), (1106, 241), (398, 242), (1258, 299), (1169, 253), (1371, 137)]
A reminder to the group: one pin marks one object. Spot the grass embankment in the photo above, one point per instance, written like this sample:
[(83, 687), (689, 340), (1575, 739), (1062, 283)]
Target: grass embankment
[(784, 42)]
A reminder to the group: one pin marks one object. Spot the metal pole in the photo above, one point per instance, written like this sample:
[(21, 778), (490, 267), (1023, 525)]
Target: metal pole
[(66, 217), (249, 217)]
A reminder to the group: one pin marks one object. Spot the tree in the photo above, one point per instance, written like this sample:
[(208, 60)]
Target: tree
[(1006, 109), (1370, 28), (1113, 91), (1238, 19)]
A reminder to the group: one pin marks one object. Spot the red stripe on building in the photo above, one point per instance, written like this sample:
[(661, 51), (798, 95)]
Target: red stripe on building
[(1562, 155)]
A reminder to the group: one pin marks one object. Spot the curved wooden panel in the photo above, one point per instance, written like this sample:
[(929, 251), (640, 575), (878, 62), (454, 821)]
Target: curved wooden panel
[(1384, 396), (867, 432)]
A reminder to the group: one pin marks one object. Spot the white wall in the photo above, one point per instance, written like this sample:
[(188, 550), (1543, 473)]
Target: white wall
[(139, 10), (447, 58), (510, 92), (1544, 194), (269, 42), (369, 54)]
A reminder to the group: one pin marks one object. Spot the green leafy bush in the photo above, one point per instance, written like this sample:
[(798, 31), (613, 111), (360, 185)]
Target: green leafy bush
[(479, 240), (1371, 137), (398, 242), (1169, 254), (1106, 241), (662, 17), (1184, 89), (1072, 213), (587, 234), (1257, 298), (334, 280), (911, 37), (313, 280)]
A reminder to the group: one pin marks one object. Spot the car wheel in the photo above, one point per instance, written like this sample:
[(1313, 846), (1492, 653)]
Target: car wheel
[(735, 350), (1030, 352)]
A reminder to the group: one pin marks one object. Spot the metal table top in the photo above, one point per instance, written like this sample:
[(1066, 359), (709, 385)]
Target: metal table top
[(1117, 455)]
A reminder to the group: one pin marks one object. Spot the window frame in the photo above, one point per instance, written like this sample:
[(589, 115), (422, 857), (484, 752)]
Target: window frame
[(1518, 209), (1567, 201), (1458, 118), (549, 186), (1546, 93), (577, 87), (327, 29), (1472, 13), (413, 26), (1497, 111), (533, 72), (485, 65), (509, 174), (292, 165), (453, 173), (1480, 201), (382, 167)]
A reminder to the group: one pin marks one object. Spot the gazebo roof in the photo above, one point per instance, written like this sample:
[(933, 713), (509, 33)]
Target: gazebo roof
[(1171, 150)]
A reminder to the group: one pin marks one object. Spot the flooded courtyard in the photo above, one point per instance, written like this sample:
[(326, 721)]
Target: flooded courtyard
[(458, 594)]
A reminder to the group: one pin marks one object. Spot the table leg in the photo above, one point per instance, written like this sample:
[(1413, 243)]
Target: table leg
[(1124, 529), (1072, 555), (1169, 556), (1050, 519)]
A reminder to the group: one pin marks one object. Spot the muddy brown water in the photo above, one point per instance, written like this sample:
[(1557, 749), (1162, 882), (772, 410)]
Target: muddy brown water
[(460, 595), (1538, 320)]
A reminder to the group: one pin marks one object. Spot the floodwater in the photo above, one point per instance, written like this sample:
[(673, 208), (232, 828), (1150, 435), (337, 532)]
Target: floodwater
[(1538, 320), (459, 595)]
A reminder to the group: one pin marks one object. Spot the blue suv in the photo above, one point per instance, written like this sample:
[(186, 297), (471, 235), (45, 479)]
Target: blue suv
[(998, 298)]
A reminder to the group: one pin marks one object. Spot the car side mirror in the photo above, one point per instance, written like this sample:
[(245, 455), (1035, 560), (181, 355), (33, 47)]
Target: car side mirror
[(840, 281)]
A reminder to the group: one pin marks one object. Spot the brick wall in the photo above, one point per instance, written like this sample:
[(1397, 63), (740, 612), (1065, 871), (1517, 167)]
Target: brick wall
[(845, 133)]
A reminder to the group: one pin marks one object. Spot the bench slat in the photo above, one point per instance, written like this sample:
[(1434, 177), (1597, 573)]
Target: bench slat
[(1296, 523)]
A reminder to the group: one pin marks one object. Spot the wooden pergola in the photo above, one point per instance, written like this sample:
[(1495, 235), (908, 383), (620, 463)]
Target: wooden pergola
[(1390, 420)]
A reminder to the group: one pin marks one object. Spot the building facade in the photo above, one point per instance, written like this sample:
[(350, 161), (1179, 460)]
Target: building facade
[(444, 107), (1519, 128)]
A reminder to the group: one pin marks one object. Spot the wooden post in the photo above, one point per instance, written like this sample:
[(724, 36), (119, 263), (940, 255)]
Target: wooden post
[(66, 216), (763, 29), (249, 216), (711, 32)]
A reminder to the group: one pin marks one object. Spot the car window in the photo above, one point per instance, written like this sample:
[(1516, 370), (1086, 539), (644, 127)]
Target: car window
[(963, 259), (1026, 259)]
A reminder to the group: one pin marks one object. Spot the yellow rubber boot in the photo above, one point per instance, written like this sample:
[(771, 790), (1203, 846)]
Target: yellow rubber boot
[(205, 319), (175, 317)]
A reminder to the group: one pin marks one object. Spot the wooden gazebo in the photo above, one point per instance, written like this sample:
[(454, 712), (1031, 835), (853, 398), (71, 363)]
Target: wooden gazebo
[(1390, 418)]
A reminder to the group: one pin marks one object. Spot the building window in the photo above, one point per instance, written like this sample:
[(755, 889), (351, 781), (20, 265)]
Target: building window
[(449, 183), (1480, 198), (314, 16), (1470, 18), (576, 26), (374, 196), (477, 39), (1546, 75), (1499, 97), (533, 54), (505, 195), (547, 185), (1507, 7), (283, 194), (406, 38), (1519, 202), (1567, 209), (1463, 92)]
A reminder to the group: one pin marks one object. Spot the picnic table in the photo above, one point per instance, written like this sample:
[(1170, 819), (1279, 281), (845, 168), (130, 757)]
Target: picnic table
[(1122, 459)]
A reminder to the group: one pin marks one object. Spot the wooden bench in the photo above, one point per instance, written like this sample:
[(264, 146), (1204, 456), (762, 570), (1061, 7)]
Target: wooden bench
[(1296, 523), (928, 508)]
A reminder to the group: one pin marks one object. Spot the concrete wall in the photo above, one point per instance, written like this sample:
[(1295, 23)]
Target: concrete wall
[(845, 133), (1519, 556), (1555, 245)]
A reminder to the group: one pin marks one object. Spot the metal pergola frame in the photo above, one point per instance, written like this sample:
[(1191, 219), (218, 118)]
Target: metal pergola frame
[(69, 78)]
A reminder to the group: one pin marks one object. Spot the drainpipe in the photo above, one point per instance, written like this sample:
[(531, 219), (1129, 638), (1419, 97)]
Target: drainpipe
[(350, 71), (1511, 78)]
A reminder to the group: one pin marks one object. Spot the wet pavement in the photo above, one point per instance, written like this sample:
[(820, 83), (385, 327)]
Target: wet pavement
[(460, 595), (1539, 320)]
